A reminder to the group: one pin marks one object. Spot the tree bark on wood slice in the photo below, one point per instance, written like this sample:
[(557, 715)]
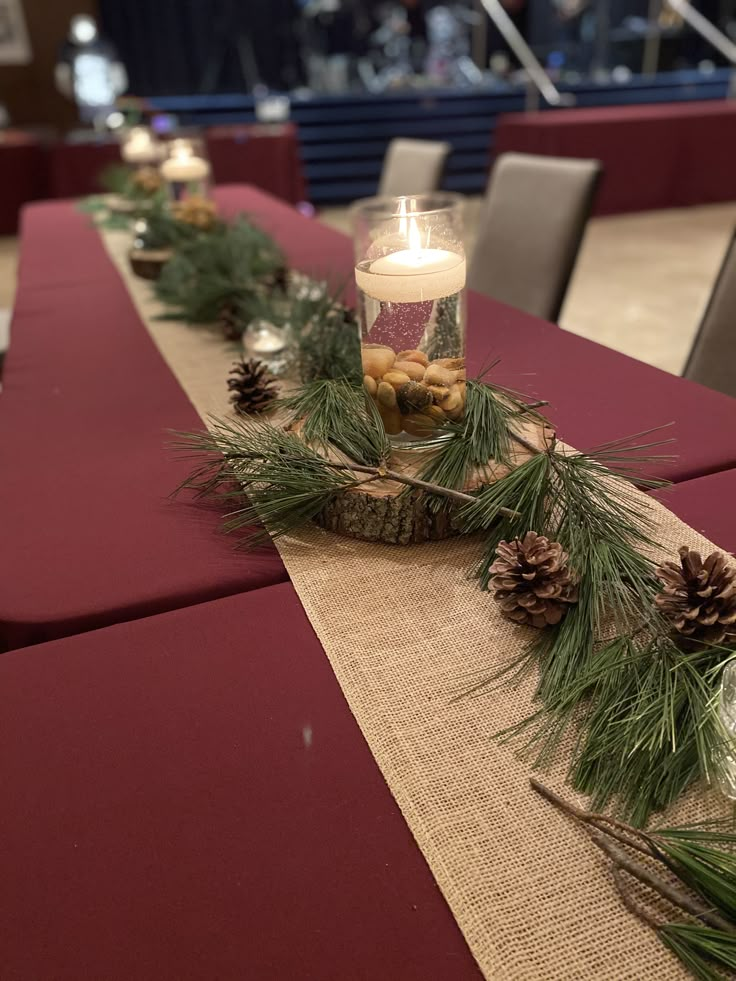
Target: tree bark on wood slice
[(390, 512)]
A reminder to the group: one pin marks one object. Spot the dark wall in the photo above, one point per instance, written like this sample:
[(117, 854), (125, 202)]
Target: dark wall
[(28, 90), (178, 47)]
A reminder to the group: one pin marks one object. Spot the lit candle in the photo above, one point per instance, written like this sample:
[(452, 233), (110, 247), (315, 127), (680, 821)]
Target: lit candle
[(184, 167), (413, 275), (140, 147)]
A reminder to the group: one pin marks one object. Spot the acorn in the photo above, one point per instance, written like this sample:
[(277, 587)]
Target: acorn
[(386, 395), (391, 420), (377, 359), (439, 392), (396, 378), (413, 397), (413, 369), (417, 356), (437, 374)]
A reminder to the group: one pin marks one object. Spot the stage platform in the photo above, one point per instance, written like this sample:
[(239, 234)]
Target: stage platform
[(343, 138)]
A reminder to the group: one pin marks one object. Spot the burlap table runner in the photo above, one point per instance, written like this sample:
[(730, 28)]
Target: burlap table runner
[(404, 630)]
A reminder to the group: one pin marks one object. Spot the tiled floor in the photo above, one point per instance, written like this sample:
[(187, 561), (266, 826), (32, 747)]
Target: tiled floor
[(640, 285), (641, 281)]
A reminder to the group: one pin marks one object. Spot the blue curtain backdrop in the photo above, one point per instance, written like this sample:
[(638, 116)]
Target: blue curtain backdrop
[(179, 47)]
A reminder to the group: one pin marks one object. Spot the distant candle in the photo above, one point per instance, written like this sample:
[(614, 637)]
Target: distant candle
[(140, 147), (184, 167), (413, 275)]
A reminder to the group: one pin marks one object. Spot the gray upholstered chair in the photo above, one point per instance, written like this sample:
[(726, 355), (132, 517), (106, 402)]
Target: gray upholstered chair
[(712, 358), (413, 167), (530, 228)]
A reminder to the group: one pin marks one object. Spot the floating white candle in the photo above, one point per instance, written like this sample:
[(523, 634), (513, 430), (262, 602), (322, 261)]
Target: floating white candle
[(183, 167), (140, 147), (412, 275)]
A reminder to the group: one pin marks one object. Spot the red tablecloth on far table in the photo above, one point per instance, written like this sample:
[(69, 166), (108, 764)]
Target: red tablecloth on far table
[(23, 176), (654, 156), (267, 156), (89, 537), (707, 505), (188, 797)]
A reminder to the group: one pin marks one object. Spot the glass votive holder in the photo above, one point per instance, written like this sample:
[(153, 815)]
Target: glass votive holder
[(140, 148), (410, 273), (186, 169), (725, 764), (269, 343)]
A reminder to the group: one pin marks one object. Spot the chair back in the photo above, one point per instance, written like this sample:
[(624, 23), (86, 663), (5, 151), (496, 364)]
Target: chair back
[(412, 167), (531, 225), (712, 358)]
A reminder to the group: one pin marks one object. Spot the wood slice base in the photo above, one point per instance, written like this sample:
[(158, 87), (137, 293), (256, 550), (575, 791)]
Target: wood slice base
[(383, 511), (149, 263)]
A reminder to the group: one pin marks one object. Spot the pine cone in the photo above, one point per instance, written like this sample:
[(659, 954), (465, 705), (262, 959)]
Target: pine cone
[(196, 211), (147, 180), (532, 581), (251, 387), (699, 597)]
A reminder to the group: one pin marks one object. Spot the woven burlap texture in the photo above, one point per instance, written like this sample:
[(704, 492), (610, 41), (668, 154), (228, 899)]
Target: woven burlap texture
[(405, 631)]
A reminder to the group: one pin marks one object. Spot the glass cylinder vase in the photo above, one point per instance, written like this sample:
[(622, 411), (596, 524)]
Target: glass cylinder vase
[(186, 170), (410, 273)]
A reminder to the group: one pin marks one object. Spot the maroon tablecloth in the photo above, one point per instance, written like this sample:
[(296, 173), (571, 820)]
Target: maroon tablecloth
[(189, 797), (654, 156), (267, 156), (75, 168), (89, 536), (23, 176), (707, 504)]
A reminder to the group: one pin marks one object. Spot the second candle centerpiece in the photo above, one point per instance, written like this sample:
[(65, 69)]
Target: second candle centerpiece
[(410, 272)]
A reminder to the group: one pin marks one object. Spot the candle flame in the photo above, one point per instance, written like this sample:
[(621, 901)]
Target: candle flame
[(402, 217)]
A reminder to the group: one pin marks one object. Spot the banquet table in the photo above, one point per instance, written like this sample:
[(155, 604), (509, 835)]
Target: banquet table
[(654, 156), (189, 797), (23, 176), (88, 401)]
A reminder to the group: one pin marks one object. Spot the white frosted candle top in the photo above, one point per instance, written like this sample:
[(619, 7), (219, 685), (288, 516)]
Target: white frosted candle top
[(413, 275), (185, 168)]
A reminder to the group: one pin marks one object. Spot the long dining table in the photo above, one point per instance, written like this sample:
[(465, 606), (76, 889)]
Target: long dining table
[(91, 536), (187, 793)]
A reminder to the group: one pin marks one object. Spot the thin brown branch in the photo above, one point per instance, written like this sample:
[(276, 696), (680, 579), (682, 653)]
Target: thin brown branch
[(673, 895), (623, 833), (630, 903), (453, 495)]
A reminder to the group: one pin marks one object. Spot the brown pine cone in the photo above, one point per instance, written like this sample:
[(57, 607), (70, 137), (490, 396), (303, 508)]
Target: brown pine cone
[(251, 386), (531, 580), (699, 597), (196, 211), (148, 180)]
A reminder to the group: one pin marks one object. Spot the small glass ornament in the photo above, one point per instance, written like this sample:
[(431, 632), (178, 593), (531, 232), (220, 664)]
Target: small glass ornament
[(726, 762), (186, 170), (269, 343)]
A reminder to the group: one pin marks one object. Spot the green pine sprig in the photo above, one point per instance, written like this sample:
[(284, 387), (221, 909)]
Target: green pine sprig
[(232, 266), (338, 414)]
